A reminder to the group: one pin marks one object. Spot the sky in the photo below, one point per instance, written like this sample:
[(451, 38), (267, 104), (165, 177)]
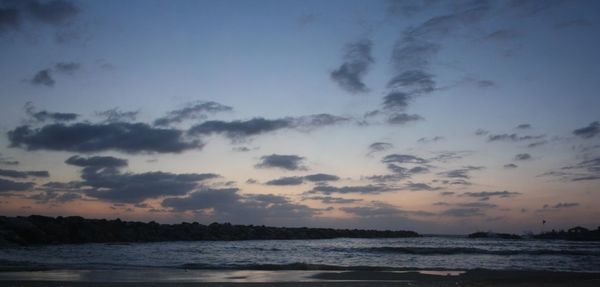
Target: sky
[(433, 116)]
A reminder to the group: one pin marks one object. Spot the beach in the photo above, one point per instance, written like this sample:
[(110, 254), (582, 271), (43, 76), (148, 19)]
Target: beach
[(162, 278)]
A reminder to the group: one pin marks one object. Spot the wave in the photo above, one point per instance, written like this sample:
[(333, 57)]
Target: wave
[(475, 251)]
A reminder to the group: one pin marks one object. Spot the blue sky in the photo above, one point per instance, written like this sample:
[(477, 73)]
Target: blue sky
[(428, 115)]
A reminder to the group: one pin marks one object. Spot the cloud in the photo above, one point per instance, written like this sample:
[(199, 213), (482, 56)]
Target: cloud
[(287, 162), (477, 205), (588, 169), (333, 200), (53, 13), (510, 165), (23, 174), (43, 77), (486, 195), (429, 140), (523, 157), (228, 205), (414, 81), (573, 23), (291, 180), (115, 115), (481, 132), (523, 127), (446, 156), (379, 146), (402, 118), (54, 197), (363, 189), (420, 186), (565, 205), (592, 130), (396, 101), (9, 185), (239, 129), (67, 67), (410, 53), (513, 137), (89, 137), (192, 111), (403, 158), (43, 116), (103, 180), (357, 60), (297, 180), (97, 161)]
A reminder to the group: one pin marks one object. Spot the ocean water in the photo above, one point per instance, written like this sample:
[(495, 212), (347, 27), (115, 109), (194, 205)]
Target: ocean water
[(426, 253)]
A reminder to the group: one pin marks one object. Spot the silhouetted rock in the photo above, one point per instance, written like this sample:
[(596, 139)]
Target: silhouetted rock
[(36, 229)]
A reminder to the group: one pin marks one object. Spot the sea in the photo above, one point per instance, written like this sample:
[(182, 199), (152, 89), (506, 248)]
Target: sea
[(418, 253)]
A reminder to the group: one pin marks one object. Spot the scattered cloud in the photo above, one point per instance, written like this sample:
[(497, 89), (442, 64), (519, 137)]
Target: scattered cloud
[(592, 130), (43, 77), (10, 185), (486, 195), (192, 111), (357, 59), (523, 157), (115, 115), (90, 137), (510, 165), (403, 158), (23, 174), (287, 162), (333, 200), (362, 189), (43, 116), (430, 140), (523, 127)]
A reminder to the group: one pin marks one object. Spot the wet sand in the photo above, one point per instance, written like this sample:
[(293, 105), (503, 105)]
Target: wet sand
[(303, 278)]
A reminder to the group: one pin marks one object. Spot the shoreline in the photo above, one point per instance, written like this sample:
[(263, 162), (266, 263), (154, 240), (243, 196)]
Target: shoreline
[(168, 278)]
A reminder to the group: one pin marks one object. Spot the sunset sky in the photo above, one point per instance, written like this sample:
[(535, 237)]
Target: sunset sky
[(433, 116)]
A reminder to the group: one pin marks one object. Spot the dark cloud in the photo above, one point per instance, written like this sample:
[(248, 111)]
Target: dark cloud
[(379, 146), (240, 129), (333, 200), (588, 169), (403, 158), (54, 13), (414, 81), (228, 205), (420, 186), (67, 67), (364, 189), (357, 60), (43, 77), (9, 185), (592, 130), (486, 195), (9, 18), (287, 162), (43, 116), (396, 101), (115, 115), (89, 137), (54, 197), (192, 111), (104, 181), (409, 53), (523, 126), (97, 161), (446, 156), (537, 143), (241, 149), (321, 177), (290, 180), (523, 156), (402, 118), (510, 165), (23, 174), (477, 205), (446, 193)]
